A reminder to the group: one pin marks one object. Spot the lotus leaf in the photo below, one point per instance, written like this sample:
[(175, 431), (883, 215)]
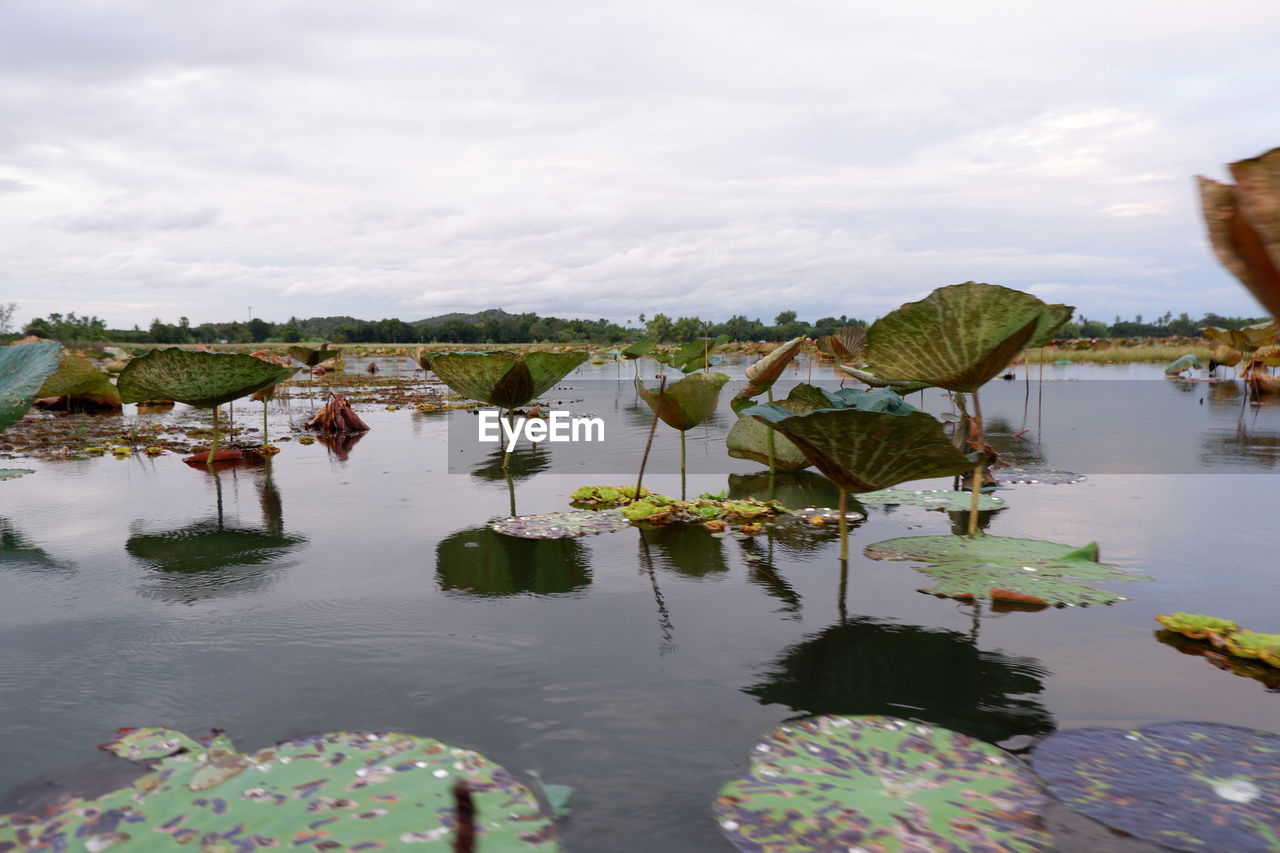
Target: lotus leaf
[(749, 439), (762, 374), (845, 345), (880, 783), (312, 357), (339, 791), (1223, 354), (1247, 339), (1185, 785), (77, 377), (1196, 626), (862, 451), (1030, 474), (959, 337), (1244, 225), (1178, 365), (505, 379), (637, 349), (423, 358), (604, 497), (695, 355), (197, 378), (561, 525), (992, 567), (13, 473), (23, 369), (1269, 355), (1251, 645), (941, 499), (687, 403)]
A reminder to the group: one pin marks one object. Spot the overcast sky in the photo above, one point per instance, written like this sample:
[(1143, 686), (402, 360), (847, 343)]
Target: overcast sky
[(594, 158)]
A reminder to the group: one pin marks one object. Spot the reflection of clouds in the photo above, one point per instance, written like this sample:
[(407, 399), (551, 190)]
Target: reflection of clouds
[(18, 553)]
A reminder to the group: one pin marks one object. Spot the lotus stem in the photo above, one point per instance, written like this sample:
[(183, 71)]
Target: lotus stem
[(506, 454), (844, 526), (213, 447), (770, 446), (682, 458), (266, 440), (979, 468), (511, 490), (662, 383)]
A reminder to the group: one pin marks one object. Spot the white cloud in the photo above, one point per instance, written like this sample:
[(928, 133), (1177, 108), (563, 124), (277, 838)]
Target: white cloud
[(401, 159)]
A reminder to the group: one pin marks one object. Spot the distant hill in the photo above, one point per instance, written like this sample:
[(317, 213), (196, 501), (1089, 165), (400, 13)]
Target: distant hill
[(478, 317)]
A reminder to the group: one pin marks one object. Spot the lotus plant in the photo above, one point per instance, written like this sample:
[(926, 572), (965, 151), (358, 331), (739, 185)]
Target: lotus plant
[(683, 406), (1243, 221), (23, 370)]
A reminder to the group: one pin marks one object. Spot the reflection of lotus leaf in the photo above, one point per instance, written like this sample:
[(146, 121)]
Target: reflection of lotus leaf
[(561, 525), (23, 369), (17, 551), (865, 666), (1185, 786), (961, 336), (685, 549), (1268, 675), (208, 546), (793, 490), (481, 561), (990, 567), (197, 378), (340, 791), (502, 378), (882, 783)]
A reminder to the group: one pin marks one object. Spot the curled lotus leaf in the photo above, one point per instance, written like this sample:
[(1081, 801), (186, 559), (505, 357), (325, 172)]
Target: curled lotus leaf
[(762, 374), (338, 791), (880, 783), (862, 451), (1197, 626), (504, 379), (1243, 222), (77, 377), (1001, 567), (695, 355), (638, 349), (748, 438), (845, 344), (1185, 785), (959, 337), (312, 357), (197, 378), (561, 525), (1268, 355), (23, 369), (939, 499), (687, 403), (868, 378), (1178, 365), (1244, 340), (1223, 354), (1031, 474)]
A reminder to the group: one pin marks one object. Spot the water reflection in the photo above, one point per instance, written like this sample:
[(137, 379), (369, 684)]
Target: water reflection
[(340, 444), (795, 489), (481, 561), (1241, 446), (865, 666), (213, 557), (17, 552), (686, 549), (1259, 671), (525, 461)]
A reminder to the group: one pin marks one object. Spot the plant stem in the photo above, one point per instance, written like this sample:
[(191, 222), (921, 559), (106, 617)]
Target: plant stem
[(506, 455), (511, 491), (770, 443), (682, 458), (979, 468), (213, 448), (266, 441), (844, 525), (662, 383)]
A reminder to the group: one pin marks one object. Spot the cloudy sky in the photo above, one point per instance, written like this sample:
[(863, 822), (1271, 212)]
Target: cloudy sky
[(313, 157)]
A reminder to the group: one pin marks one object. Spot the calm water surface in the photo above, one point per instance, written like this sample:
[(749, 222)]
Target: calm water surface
[(360, 588)]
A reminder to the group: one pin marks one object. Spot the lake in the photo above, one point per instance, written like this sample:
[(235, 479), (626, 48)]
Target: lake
[(358, 586)]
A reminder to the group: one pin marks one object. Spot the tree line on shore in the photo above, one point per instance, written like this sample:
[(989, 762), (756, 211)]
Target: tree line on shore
[(496, 326)]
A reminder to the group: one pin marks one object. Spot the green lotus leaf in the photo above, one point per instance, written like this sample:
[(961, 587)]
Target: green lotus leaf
[(988, 567), (1252, 645), (959, 337), (686, 403), (880, 783), (1196, 626), (1247, 339), (1269, 355), (940, 499), (197, 378), (748, 438), (423, 358), (1050, 320), (1184, 785), (762, 374), (1223, 354), (862, 451), (605, 497), (312, 357), (637, 349), (342, 791), (504, 379), (1180, 364), (23, 369), (1243, 222), (694, 355), (77, 377)]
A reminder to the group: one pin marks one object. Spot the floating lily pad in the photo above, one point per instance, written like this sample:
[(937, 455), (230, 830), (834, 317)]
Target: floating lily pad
[(1000, 567), (1197, 626), (197, 378), (23, 369), (14, 473), (504, 379), (339, 791), (940, 499), (1187, 786), (1027, 474), (561, 525), (880, 783), (961, 336)]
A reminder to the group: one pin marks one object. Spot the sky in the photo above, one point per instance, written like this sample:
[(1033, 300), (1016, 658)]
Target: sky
[(273, 158)]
